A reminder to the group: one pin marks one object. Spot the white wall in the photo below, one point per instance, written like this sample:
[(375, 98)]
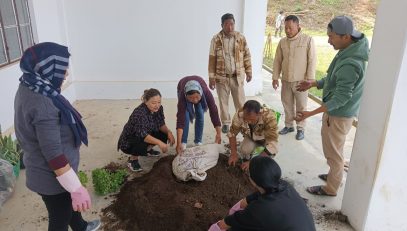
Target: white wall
[(375, 196), (119, 49), (9, 76), (48, 21), (254, 28)]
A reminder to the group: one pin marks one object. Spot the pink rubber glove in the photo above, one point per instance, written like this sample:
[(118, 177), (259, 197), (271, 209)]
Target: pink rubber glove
[(235, 208), (80, 199), (80, 196), (215, 227)]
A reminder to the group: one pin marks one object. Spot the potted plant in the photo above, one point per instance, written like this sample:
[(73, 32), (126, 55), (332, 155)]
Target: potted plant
[(10, 152)]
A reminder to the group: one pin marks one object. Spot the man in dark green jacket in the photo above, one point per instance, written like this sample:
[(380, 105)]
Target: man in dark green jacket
[(342, 92)]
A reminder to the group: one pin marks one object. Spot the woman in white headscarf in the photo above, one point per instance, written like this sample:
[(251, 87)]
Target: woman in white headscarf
[(194, 99)]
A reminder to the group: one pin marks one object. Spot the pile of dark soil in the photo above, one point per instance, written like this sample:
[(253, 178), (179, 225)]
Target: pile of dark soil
[(157, 201), (336, 216), (113, 167)]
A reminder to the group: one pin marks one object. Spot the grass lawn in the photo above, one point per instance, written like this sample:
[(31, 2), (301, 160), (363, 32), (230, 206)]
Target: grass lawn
[(325, 54)]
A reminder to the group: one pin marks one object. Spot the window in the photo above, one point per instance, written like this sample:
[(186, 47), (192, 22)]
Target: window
[(15, 30)]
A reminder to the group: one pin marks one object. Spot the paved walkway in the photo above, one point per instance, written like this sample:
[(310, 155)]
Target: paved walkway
[(301, 161)]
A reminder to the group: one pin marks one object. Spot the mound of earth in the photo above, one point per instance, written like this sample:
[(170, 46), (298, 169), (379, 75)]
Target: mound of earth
[(157, 201)]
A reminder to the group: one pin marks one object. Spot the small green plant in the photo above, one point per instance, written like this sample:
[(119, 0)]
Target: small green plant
[(83, 178), (105, 182), (117, 179), (9, 150)]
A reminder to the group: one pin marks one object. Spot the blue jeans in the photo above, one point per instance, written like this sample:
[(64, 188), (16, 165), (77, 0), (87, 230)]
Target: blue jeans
[(199, 124)]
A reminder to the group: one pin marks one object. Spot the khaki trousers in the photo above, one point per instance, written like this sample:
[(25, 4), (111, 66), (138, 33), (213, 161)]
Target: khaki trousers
[(247, 147), (334, 130), (224, 89), (293, 102)]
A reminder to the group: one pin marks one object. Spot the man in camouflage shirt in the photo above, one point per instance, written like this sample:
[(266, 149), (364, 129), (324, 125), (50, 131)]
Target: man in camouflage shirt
[(229, 65), (258, 126)]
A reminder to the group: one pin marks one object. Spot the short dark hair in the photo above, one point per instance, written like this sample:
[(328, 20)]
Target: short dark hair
[(149, 93), (252, 106), (226, 17), (191, 92), (292, 18), (281, 11)]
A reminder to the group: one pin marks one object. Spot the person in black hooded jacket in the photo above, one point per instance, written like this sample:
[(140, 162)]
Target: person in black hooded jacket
[(275, 206)]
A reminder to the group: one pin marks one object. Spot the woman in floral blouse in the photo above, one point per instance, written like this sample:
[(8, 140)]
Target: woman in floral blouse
[(145, 129)]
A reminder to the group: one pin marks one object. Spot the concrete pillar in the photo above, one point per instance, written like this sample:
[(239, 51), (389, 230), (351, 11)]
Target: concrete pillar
[(375, 196), (254, 26)]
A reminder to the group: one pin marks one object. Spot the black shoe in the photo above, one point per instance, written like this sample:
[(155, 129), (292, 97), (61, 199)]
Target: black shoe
[(285, 130), (134, 166), (300, 135), (225, 128)]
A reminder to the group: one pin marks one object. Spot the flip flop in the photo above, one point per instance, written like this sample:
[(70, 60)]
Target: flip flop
[(317, 190), (323, 177), (346, 166)]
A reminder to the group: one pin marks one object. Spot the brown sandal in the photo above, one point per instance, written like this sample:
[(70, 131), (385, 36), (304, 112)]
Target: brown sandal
[(317, 190)]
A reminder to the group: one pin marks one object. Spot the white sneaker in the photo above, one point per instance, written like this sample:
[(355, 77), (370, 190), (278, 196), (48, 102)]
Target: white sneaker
[(198, 144), (184, 146), (93, 225)]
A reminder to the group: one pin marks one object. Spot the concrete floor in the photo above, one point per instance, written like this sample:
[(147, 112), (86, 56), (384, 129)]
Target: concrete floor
[(301, 161)]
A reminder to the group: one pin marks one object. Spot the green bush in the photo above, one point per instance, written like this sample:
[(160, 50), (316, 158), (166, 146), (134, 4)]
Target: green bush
[(105, 182), (268, 61), (298, 7), (83, 178)]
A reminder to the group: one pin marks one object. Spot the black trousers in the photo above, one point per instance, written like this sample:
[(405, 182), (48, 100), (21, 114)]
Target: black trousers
[(137, 146), (61, 214)]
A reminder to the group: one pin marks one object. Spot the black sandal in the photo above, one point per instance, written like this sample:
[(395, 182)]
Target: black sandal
[(323, 177)]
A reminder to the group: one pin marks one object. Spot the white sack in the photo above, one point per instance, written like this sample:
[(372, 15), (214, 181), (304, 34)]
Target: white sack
[(195, 161)]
